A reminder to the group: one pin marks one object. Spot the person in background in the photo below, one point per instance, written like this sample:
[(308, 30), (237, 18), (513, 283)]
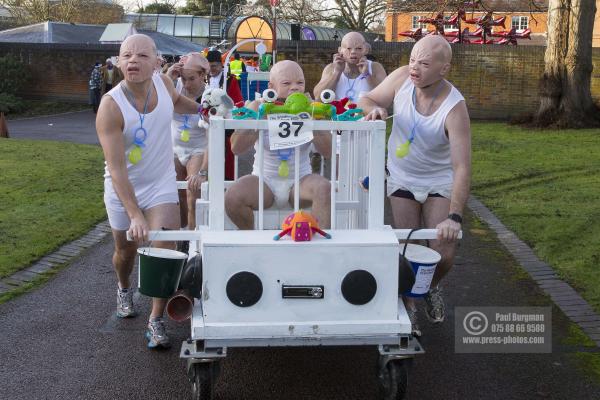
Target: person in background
[(216, 79), (237, 66), (95, 86), (190, 142), (110, 76)]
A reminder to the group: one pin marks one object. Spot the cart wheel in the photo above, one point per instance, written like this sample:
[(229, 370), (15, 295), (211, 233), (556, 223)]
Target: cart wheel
[(202, 381), (393, 380)]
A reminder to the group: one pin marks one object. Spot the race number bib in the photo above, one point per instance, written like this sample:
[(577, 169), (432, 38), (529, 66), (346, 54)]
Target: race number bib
[(289, 130)]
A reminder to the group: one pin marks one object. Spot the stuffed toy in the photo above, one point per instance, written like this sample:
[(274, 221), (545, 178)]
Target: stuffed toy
[(214, 102)]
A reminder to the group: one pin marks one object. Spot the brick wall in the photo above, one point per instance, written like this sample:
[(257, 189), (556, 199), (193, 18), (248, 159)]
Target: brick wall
[(498, 82), (59, 71)]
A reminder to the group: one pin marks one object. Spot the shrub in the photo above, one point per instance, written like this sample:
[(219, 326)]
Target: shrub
[(10, 103), (13, 75)]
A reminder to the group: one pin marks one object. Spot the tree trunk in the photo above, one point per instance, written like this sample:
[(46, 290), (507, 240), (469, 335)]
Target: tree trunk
[(565, 97), (3, 127)]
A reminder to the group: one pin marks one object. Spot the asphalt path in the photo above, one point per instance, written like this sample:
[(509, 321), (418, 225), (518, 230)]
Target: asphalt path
[(63, 340), (77, 127)]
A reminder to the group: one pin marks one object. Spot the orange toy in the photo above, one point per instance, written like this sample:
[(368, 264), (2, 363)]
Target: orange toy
[(300, 226)]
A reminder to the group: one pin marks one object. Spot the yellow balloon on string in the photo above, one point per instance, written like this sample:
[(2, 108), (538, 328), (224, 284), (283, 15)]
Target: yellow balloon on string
[(185, 135), (403, 149), (283, 170), (135, 155)]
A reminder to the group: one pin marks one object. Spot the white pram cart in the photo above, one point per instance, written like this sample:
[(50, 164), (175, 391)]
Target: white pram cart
[(257, 292)]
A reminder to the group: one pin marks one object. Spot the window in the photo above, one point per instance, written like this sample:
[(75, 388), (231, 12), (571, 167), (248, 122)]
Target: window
[(417, 25), (449, 27), (520, 23)]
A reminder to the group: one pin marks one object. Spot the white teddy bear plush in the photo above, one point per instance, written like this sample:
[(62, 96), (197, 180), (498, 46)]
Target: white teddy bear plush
[(214, 102)]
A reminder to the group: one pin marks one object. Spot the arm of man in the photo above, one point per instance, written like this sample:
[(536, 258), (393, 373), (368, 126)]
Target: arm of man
[(322, 142), (377, 75), (375, 103), (459, 135), (174, 72), (243, 139), (329, 79), (109, 125), (181, 104)]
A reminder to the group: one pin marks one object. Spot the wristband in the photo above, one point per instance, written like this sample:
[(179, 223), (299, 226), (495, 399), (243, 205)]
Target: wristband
[(203, 173), (455, 217)]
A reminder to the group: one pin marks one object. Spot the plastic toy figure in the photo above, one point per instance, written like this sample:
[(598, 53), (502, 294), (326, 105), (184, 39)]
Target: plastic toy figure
[(300, 226), (296, 103)]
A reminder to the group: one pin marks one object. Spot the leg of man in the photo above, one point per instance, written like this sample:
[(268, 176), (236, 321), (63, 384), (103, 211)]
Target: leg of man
[(181, 172), (242, 198), (96, 100), (193, 167), (159, 217), (435, 210), (123, 257), (407, 215), (317, 190), (123, 260)]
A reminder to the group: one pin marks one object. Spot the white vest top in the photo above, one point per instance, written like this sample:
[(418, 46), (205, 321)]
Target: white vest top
[(198, 137), (271, 159), (428, 161), (157, 153), (353, 88)]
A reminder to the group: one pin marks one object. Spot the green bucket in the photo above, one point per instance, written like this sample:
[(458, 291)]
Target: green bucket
[(160, 271)]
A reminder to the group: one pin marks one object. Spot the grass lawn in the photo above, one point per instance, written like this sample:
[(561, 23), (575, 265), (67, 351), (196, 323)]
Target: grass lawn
[(43, 107), (50, 193), (545, 186)]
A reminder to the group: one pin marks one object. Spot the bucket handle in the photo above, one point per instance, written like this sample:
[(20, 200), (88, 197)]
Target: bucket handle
[(407, 239), (156, 233)]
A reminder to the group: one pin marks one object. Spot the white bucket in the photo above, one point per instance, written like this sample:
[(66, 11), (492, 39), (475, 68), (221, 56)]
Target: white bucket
[(423, 261)]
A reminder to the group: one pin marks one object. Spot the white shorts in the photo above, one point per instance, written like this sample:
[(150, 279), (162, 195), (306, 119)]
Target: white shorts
[(163, 191), (280, 187), (183, 154), (420, 193), (119, 220)]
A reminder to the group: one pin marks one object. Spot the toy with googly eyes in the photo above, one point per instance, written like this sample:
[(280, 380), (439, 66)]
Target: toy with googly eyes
[(296, 103), (344, 109)]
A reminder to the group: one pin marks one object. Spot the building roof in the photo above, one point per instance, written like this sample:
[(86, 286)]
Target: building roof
[(60, 32), (497, 6), (116, 33)]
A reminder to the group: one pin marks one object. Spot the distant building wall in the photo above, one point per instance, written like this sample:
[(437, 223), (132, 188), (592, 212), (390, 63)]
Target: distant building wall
[(58, 71), (497, 82)]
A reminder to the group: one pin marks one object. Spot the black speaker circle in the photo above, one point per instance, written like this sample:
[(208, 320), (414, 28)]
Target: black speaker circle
[(359, 287), (244, 289)]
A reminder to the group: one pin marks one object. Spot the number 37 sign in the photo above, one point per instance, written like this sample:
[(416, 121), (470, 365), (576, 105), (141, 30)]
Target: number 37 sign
[(288, 130)]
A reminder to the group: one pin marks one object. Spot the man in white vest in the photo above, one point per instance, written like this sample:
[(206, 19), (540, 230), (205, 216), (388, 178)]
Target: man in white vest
[(351, 74), (140, 190), (429, 154)]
